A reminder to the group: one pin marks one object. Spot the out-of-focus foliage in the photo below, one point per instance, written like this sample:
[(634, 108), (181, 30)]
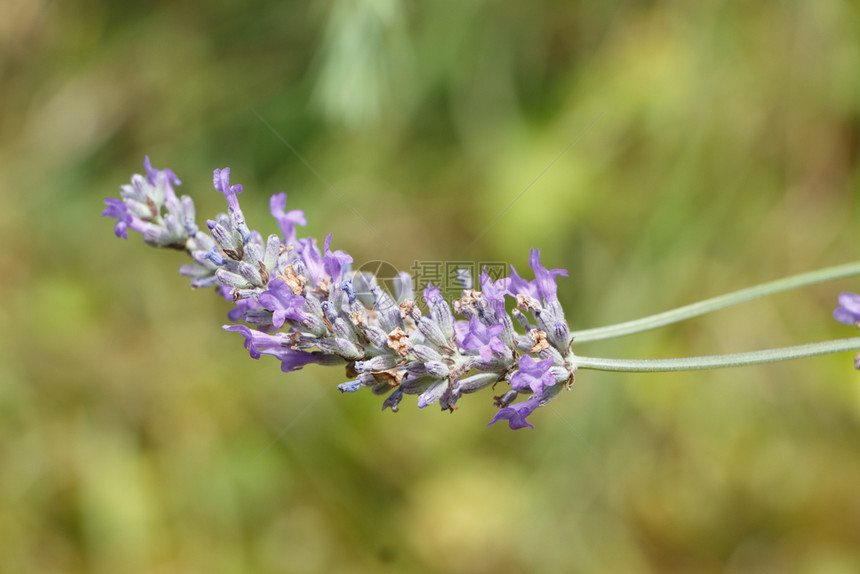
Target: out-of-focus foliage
[(661, 151)]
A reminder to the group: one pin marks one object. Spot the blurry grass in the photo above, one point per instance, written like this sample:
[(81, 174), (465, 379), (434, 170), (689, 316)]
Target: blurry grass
[(136, 435)]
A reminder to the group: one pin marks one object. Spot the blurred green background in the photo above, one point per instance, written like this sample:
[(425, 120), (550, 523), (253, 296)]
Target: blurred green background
[(697, 147)]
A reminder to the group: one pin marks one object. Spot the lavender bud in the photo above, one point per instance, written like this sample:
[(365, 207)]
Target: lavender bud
[(524, 343), (273, 249), (416, 369), (231, 279), (203, 282), (193, 270), (378, 363), (508, 332), (448, 400), (251, 273), (350, 292), (476, 382), (552, 353), (560, 374), (313, 324), (340, 347), (381, 299), (189, 216), (549, 393), (224, 239), (253, 255), (343, 329), (441, 313), (377, 337), (425, 354), (202, 242), (417, 385), (437, 369), (506, 399), (174, 228), (522, 320), (431, 330), (261, 317), (380, 388), (393, 401), (349, 387), (214, 256), (561, 334), (432, 394), (328, 311)]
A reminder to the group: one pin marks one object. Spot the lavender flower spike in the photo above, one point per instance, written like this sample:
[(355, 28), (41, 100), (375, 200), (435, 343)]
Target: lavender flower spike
[(297, 301), (848, 311)]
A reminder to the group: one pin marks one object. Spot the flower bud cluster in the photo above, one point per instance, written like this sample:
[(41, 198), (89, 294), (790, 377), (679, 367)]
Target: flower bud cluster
[(303, 305)]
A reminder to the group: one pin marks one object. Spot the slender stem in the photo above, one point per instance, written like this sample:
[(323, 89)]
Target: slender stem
[(718, 361), (708, 305)]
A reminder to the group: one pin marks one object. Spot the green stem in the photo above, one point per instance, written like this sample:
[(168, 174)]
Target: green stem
[(717, 361), (708, 305)]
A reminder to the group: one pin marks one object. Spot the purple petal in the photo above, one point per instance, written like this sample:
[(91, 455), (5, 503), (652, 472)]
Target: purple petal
[(287, 220), (334, 262), (544, 278), (533, 374), (494, 292), (843, 315), (516, 414), (221, 180), (312, 258), (519, 286), (281, 301), (292, 360), (117, 209), (851, 301)]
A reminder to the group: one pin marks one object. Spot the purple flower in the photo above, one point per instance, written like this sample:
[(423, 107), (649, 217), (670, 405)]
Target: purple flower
[(483, 339), (516, 414), (256, 341), (533, 374), (292, 360), (117, 208), (334, 262), (259, 343), (243, 306), (848, 311), (543, 286), (287, 220), (544, 278), (312, 258), (221, 180), (519, 286), (494, 292), (280, 300), (153, 174)]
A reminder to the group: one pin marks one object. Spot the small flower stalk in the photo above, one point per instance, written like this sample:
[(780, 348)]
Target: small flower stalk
[(303, 304), (300, 303)]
